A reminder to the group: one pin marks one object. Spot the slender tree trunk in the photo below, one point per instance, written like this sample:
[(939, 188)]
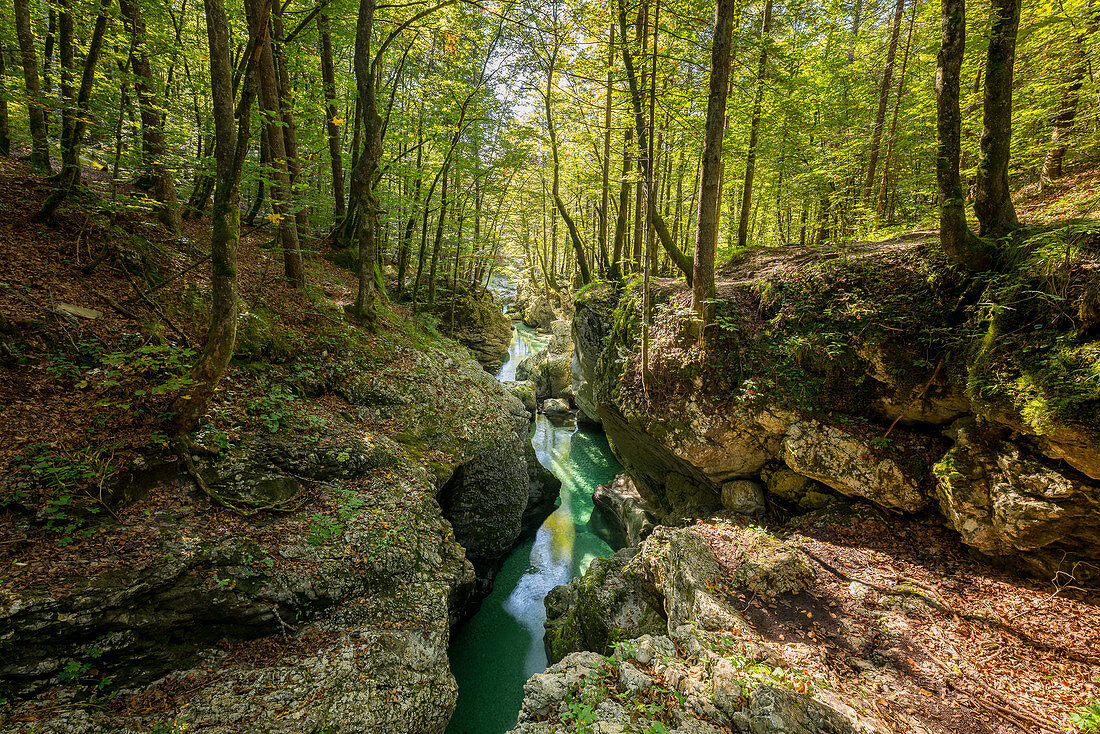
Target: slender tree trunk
[(754, 129), (682, 261), (617, 269), (1069, 102), (73, 131), (574, 236), (437, 244), (258, 201), (230, 150), (286, 112), (5, 130), (36, 110), (706, 232), (152, 121), (605, 191), (959, 243), (282, 195), (880, 203), (992, 196), (328, 76), (883, 99), (403, 257), (47, 59)]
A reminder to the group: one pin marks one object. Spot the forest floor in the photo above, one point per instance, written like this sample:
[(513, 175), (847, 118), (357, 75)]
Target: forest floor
[(902, 619)]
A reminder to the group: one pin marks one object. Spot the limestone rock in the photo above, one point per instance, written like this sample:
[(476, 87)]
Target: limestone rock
[(1006, 503), (743, 496), (710, 692), (543, 489), (525, 391), (632, 519), (848, 464), (676, 572), (555, 407), (478, 323), (791, 487), (548, 371), (597, 610), (539, 313)]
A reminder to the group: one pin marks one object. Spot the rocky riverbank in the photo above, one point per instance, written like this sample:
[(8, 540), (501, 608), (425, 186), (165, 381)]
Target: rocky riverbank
[(819, 495), (302, 578)]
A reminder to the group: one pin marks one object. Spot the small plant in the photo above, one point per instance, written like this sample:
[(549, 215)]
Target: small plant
[(272, 409), (1087, 716), (322, 529), (74, 670), (580, 715)]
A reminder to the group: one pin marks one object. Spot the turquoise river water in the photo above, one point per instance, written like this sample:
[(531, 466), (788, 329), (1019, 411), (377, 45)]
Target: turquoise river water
[(501, 646)]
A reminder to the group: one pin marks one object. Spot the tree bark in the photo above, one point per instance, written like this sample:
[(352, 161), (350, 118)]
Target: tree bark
[(5, 131), (605, 191), (282, 194), (72, 134), (574, 236), (230, 150), (992, 197), (36, 110), (706, 231), (754, 129), (328, 77), (617, 269), (883, 99), (681, 261), (880, 203), (958, 242), (152, 122)]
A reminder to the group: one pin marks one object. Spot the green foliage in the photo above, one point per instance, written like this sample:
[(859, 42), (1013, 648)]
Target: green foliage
[(1086, 717), (273, 409)]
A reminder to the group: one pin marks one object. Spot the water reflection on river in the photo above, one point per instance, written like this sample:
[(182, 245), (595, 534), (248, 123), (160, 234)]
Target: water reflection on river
[(494, 653)]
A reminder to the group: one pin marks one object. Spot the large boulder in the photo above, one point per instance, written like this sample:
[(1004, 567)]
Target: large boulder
[(1006, 502), (598, 610), (478, 323), (539, 312), (704, 692), (549, 371), (849, 464)]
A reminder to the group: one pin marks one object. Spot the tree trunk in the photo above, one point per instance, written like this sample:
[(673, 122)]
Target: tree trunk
[(574, 236), (706, 231), (605, 191), (36, 110), (880, 203), (682, 261), (286, 112), (754, 129), (437, 244), (406, 240), (152, 122), (5, 131), (992, 197), (958, 242), (230, 150), (328, 77), (617, 269), (883, 99), (77, 122), (282, 194)]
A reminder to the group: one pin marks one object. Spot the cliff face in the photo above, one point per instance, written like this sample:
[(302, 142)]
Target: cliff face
[(327, 611), (872, 371)]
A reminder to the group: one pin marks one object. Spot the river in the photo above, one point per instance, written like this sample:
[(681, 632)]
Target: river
[(499, 648)]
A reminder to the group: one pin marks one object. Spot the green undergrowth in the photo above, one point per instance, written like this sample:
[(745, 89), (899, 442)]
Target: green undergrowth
[(823, 332)]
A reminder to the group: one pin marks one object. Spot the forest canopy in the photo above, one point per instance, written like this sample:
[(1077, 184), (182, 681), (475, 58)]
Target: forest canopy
[(419, 142)]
